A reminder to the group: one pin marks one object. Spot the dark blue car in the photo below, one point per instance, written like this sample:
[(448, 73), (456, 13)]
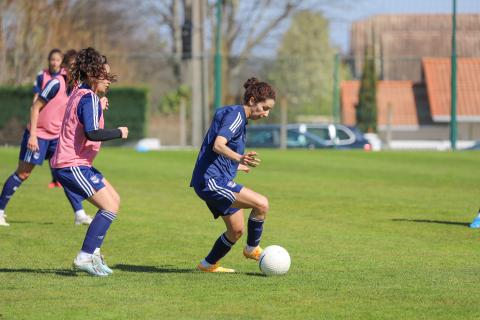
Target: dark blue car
[(309, 136)]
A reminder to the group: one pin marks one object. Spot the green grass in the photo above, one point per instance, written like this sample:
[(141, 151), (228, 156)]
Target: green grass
[(371, 236)]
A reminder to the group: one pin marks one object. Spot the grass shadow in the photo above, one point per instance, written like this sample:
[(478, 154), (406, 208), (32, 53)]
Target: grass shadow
[(59, 272), (255, 274), (25, 221), (169, 269), (150, 269), (455, 223)]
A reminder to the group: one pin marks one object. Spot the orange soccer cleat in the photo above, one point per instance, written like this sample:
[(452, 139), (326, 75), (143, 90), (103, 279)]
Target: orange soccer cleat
[(214, 268), (254, 254)]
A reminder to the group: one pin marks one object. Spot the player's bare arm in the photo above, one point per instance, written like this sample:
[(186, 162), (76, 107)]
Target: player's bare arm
[(34, 112)]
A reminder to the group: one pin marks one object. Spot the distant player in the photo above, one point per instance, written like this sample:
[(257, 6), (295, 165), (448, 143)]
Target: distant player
[(80, 139), (221, 155), (40, 140), (55, 58)]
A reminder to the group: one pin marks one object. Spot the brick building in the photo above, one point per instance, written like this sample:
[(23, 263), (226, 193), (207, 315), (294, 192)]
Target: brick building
[(412, 54)]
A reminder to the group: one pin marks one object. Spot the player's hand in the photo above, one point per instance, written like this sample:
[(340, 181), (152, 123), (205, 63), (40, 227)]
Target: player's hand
[(104, 103), (33, 143), (243, 168), (124, 132), (250, 159)]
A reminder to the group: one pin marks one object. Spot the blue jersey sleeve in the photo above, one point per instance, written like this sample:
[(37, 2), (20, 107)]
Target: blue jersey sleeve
[(50, 90), (230, 125), (37, 85), (89, 112)]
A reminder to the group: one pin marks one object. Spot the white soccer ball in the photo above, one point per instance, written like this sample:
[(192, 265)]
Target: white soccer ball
[(274, 261)]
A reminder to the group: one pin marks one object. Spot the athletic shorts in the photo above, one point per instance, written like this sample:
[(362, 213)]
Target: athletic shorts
[(219, 196), (46, 149), (79, 182)]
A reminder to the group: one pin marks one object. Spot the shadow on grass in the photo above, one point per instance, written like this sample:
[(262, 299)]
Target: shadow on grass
[(464, 224), (150, 269), (168, 269), (59, 272), (24, 221), (255, 274)]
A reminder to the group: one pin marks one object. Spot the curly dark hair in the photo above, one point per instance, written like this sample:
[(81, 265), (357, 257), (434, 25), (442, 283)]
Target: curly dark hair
[(68, 58), (259, 91), (89, 65)]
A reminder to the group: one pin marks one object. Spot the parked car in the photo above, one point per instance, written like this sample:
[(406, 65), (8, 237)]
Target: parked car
[(310, 136)]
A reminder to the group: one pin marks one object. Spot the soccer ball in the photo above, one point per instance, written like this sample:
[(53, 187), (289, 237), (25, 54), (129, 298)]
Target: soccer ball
[(274, 261)]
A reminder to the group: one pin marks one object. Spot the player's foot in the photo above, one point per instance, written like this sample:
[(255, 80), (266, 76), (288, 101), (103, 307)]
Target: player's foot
[(58, 184), (101, 263), (253, 254), (475, 223), (90, 266), (82, 219), (3, 221), (51, 185), (214, 268)]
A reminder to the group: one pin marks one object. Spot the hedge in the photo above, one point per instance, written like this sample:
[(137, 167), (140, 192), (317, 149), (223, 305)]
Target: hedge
[(128, 107)]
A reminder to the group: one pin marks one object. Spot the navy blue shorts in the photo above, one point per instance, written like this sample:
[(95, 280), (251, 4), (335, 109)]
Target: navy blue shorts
[(219, 196), (79, 182), (46, 150)]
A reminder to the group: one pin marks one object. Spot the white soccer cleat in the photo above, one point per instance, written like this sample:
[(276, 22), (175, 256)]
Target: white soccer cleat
[(90, 266), (101, 263), (82, 219), (3, 222)]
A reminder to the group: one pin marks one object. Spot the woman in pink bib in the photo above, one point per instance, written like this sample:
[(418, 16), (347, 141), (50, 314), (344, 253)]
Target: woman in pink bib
[(40, 139), (55, 68), (80, 139)]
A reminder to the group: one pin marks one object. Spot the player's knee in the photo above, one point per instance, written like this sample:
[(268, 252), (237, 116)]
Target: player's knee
[(113, 206), (23, 174), (236, 233), (116, 196), (263, 205), (116, 207)]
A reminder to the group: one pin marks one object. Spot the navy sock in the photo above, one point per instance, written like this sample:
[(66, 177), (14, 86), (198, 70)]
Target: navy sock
[(221, 247), (97, 230), (255, 229), (9, 188)]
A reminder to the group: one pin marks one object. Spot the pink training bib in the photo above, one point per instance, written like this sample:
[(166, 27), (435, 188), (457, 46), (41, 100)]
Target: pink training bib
[(74, 149)]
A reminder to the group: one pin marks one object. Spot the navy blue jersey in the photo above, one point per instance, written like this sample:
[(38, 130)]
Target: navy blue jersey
[(38, 84), (89, 112), (229, 122), (50, 90)]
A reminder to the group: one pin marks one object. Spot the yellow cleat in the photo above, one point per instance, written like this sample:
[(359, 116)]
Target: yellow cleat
[(254, 254), (214, 268)]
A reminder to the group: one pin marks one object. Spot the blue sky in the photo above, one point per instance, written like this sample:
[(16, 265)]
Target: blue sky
[(342, 18)]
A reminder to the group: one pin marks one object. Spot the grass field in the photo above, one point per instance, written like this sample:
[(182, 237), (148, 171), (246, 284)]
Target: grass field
[(371, 236)]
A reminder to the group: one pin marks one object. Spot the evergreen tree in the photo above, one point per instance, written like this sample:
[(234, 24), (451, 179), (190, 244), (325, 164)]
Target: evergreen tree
[(366, 111)]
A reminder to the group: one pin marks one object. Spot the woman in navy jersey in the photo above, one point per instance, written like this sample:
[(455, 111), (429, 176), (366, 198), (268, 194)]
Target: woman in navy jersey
[(220, 157)]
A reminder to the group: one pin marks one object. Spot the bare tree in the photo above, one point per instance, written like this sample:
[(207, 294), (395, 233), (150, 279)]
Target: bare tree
[(4, 7), (246, 25), (32, 28)]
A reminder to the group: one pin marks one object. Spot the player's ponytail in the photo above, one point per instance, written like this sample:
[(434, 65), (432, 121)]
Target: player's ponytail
[(250, 82), (259, 91)]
